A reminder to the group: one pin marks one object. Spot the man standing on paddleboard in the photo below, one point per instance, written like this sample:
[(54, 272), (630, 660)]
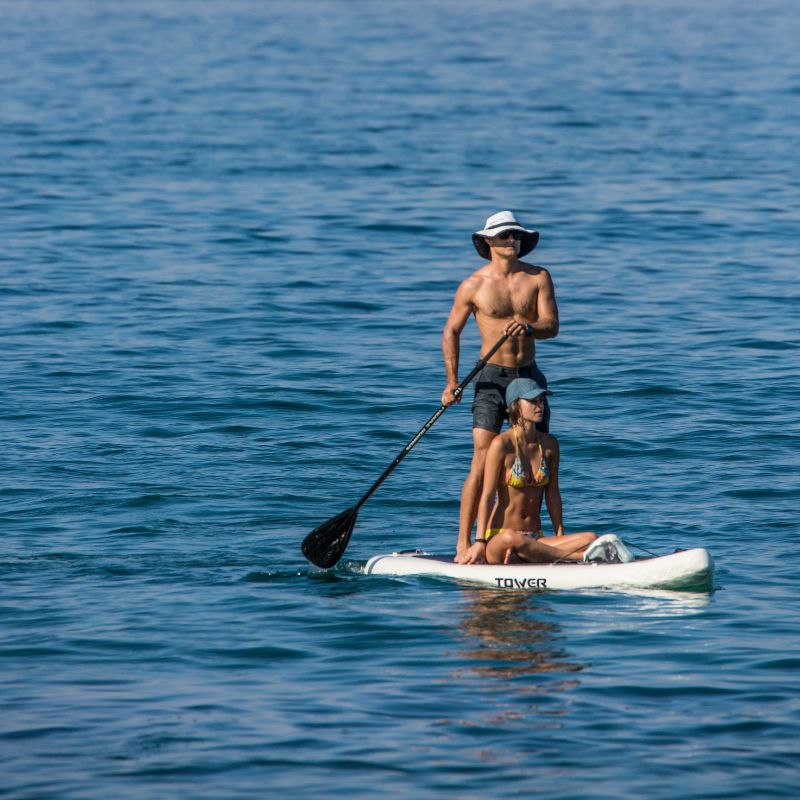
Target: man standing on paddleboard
[(505, 296)]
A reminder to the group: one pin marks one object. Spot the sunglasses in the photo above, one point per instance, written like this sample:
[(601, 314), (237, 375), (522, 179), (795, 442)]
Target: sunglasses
[(505, 235)]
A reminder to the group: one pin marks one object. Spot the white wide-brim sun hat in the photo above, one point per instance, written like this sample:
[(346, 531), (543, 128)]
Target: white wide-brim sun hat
[(497, 223)]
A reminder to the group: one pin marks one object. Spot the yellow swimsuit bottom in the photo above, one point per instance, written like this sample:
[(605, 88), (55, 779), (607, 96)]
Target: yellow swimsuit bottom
[(494, 531)]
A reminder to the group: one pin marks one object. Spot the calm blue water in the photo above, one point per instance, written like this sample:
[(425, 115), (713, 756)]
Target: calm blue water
[(231, 233)]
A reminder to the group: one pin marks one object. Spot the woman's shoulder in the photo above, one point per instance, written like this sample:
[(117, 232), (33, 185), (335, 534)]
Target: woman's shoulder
[(504, 440)]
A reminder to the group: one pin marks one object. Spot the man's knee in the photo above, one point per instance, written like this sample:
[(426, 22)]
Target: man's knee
[(478, 461), (481, 441)]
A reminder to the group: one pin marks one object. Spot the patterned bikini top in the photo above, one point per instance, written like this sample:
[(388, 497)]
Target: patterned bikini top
[(518, 475)]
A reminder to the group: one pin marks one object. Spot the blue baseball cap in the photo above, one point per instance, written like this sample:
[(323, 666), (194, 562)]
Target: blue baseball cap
[(524, 389)]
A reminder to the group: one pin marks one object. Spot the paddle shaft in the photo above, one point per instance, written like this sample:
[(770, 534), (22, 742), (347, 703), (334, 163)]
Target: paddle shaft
[(427, 426)]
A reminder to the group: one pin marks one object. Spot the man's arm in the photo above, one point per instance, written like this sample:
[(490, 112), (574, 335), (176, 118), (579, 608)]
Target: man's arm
[(546, 325), (451, 337)]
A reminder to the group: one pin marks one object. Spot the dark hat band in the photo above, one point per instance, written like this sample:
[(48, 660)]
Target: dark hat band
[(508, 225)]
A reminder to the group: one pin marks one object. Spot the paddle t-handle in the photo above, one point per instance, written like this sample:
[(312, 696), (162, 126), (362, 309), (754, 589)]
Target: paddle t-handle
[(326, 544)]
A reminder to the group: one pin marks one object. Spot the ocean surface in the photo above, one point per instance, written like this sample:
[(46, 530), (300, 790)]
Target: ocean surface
[(231, 234)]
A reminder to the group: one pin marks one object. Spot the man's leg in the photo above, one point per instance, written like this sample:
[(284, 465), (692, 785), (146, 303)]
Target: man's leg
[(471, 491)]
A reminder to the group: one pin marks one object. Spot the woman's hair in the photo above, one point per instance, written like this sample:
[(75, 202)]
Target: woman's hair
[(514, 414)]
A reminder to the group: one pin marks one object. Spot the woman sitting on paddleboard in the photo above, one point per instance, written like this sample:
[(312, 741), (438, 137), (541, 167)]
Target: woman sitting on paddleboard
[(521, 465)]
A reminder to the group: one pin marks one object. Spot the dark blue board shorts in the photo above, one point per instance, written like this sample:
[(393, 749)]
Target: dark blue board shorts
[(489, 404)]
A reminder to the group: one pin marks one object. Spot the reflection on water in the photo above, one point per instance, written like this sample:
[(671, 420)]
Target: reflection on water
[(509, 636), (666, 603)]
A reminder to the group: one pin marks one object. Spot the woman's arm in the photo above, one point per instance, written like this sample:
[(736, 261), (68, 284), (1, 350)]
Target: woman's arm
[(552, 493), (491, 473)]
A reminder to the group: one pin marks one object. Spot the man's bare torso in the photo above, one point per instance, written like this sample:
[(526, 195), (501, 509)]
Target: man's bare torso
[(496, 300)]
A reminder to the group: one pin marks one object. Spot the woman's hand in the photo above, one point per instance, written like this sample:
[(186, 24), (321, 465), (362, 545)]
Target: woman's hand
[(475, 555)]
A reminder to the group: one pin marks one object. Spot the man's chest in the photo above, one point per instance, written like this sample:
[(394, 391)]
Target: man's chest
[(506, 300)]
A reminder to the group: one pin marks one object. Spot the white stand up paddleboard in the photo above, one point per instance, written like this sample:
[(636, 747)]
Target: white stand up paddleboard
[(685, 569)]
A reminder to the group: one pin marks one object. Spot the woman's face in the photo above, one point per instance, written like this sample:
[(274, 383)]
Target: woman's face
[(532, 410)]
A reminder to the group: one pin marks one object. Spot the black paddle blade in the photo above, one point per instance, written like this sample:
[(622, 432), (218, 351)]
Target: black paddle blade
[(325, 545)]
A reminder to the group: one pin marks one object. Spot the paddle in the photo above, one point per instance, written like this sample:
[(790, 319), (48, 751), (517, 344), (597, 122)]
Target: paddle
[(325, 545)]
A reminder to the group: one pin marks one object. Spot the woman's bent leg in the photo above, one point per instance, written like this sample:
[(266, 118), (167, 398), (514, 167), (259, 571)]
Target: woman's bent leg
[(508, 546), (571, 546)]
